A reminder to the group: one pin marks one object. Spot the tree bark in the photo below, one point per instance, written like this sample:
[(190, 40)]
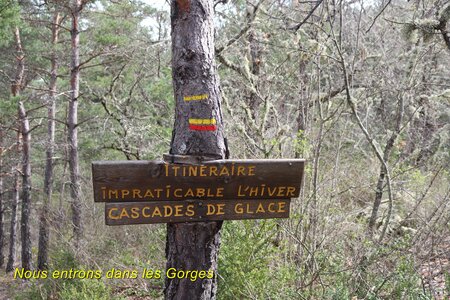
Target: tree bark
[(13, 221), (302, 108), (44, 234), (72, 123), (255, 64), (26, 189), (2, 234), (16, 87), (383, 173), (194, 246), (445, 34)]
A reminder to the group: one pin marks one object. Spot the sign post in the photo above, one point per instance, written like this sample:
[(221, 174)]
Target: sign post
[(190, 190)]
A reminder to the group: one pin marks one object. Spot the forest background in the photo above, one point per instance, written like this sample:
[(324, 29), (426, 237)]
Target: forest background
[(361, 89)]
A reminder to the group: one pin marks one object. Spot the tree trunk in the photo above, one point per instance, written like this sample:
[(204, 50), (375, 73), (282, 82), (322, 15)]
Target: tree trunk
[(13, 222), (2, 238), (16, 87), (383, 172), (302, 108), (194, 246), (255, 63), (72, 121), (26, 189), (48, 179)]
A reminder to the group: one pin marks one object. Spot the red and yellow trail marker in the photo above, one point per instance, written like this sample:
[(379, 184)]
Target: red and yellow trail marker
[(203, 124)]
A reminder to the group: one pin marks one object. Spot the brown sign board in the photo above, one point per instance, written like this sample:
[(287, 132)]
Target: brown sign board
[(194, 210), (143, 181)]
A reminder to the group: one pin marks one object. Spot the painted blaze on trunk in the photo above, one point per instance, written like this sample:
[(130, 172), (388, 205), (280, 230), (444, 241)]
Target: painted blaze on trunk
[(198, 125), (198, 130)]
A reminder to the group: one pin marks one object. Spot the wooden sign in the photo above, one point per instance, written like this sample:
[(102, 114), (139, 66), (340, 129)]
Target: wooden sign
[(194, 210), (143, 181)]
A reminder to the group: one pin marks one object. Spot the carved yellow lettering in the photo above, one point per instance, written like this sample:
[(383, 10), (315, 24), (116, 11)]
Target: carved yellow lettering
[(211, 209), (156, 212), (263, 186), (203, 171), (125, 193), (144, 214), (253, 191), (290, 191), (135, 212), (137, 193), (149, 194), (201, 192), (251, 171), (281, 207), (238, 208), (241, 171), (260, 208), (249, 211), (219, 192), (114, 193), (272, 191), (190, 210), (178, 211), (124, 213), (158, 192), (281, 192), (240, 194), (111, 215), (168, 210), (270, 207), (168, 191), (213, 171), (210, 194), (192, 170), (189, 193), (220, 209), (103, 192), (177, 193), (175, 170), (166, 167), (224, 172)]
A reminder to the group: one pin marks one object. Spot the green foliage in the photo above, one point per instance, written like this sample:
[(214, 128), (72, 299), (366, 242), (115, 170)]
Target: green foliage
[(138, 293), (74, 289), (301, 144), (86, 289), (250, 265), (406, 281), (63, 288), (35, 291), (9, 18), (63, 258), (417, 178), (117, 31), (8, 107), (447, 282), (161, 89)]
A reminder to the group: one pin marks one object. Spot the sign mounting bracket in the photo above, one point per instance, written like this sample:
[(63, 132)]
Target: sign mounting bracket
[(189, 159)]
